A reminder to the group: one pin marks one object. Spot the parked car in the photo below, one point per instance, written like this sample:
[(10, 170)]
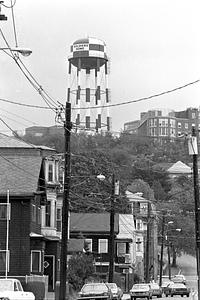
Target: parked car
[(156, 290), (165, 285), (177, 289), (11, 289), (116, 291), (180, 278), (95, 290), (141, 290)]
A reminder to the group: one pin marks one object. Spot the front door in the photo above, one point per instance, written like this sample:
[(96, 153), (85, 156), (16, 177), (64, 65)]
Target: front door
[(49, 269)]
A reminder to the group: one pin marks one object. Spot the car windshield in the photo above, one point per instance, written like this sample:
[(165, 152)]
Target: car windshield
[(94, 287), (112, 285), (177, 285), (6, 285), (154, 286), (140, 286)]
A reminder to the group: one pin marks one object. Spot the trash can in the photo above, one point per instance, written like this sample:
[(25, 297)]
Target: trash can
[(57, 289)]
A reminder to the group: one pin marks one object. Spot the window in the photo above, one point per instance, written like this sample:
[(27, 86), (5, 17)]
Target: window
[(33, 212), (103, 246), (88, 245), (138, 224), (48, 214), (193, 115), (3, 211), (59, 219), (38, 215), (186, 125), (3, 260), (121, 249), (35, 261), (50, 172), (179, 124), (138, 245)]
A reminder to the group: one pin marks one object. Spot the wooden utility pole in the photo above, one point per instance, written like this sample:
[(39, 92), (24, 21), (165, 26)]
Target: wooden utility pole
[(147, 244), (169, 260), (115, 191), (65, 207), (161, 250), (193, 150)]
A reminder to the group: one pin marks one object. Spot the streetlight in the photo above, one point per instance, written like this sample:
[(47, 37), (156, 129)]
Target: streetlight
[(115, 191), (22, 51), (164, 236)]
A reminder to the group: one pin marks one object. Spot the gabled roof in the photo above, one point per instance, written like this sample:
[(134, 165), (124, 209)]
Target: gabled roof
[(92, 223), (19, 174), (126, 227), (179, 168)]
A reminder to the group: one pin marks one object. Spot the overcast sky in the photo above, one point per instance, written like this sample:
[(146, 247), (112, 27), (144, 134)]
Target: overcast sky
[(154, 46)]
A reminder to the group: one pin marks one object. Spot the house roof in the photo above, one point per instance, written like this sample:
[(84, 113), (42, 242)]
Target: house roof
[(174, 168), (126, 227), (19, 174), (92, 223), (179, 168), (13, 142)]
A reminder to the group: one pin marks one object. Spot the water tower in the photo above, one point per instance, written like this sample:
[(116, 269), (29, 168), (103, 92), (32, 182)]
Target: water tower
[(88, 85)]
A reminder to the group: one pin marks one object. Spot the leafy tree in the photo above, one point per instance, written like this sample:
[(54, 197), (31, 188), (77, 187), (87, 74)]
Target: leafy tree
[(81, 267)]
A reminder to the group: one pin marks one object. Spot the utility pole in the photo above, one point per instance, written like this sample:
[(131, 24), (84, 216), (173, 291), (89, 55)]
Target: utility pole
[(169, 260), (115, 191), (161, 250), (147, 244), (65, 208), (193, 150)]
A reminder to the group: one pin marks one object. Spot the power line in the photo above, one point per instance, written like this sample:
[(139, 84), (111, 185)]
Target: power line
[(144, 98), (24, 104)]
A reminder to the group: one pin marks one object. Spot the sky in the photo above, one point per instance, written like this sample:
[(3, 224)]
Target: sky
[(154, 46)]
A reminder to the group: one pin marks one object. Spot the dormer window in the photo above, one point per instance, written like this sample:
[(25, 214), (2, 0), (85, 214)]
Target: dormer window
[(50, 172)]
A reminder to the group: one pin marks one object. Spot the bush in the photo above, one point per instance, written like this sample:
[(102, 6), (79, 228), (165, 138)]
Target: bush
[(37, 288)]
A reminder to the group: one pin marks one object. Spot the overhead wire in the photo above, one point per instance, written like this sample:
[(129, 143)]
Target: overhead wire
[(9, 6), (18, 116)]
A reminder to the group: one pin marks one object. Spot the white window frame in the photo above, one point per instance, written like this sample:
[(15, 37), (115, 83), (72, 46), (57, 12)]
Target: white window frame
[(119, 247), (89, 241), (99, 245), (8, 261), (40, 260)]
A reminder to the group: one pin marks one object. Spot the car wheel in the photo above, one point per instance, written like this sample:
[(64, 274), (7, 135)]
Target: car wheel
[(181, 295), (166, 295), (187, 295)]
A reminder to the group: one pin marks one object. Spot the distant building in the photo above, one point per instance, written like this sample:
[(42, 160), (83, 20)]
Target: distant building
[(153, 124), (40, 131)]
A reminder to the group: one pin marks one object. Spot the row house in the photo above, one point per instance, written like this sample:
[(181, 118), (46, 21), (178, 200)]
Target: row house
[(28, 234), (144, 217)]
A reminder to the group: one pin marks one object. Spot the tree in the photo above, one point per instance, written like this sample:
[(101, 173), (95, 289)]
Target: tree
[(81, 267)]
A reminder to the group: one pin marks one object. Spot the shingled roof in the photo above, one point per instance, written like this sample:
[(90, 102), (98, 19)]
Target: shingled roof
[(19, 174), (13, 142)]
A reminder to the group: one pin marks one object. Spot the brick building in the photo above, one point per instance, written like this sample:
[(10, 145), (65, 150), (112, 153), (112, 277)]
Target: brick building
[(172, 125)]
